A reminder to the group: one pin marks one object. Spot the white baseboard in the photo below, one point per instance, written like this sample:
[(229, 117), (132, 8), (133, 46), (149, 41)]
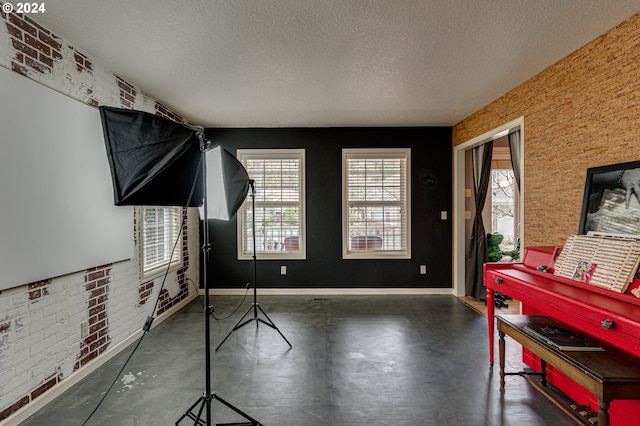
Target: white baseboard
[(329, 291), (31, 408)]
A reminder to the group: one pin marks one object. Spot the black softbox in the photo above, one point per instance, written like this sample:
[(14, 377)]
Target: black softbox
[(154, 161), (157, 162)]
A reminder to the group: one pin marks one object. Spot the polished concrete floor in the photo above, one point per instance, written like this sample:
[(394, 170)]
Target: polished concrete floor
[(355, 360)]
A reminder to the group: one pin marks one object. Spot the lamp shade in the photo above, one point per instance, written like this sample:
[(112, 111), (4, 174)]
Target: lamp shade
[(157, 162)]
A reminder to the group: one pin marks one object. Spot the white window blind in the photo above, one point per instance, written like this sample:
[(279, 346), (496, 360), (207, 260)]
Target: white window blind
[(161, 228), (376, 208), (279, 204)]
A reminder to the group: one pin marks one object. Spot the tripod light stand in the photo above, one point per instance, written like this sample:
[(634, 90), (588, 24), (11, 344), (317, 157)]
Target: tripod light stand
[(254, 306), (150, 159), (204, 402)]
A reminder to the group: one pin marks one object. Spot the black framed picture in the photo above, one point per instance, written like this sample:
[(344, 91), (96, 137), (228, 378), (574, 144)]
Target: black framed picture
[(611, 202)]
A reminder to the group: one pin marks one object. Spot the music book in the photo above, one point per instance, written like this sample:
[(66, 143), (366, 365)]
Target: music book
[(605, 261), (562, 338)]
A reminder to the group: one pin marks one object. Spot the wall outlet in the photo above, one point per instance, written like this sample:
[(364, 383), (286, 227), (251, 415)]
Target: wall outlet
[(443, 215), (283, 270), (423, 269), (467, 214), (84, 329), (467, 192)]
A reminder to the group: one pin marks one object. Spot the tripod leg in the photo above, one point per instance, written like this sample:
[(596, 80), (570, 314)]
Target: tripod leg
[(198, 418), (272, 325), (254, 422), (237, 326), (205, 401)]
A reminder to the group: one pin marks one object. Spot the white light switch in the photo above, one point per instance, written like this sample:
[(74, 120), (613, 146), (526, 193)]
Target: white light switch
[(467, 192)]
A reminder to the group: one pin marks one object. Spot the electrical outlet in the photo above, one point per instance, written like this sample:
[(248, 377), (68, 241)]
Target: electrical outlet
[(467, 192), (283, 270), (467, 214), (84, 329), (423, 269), (443, 215)]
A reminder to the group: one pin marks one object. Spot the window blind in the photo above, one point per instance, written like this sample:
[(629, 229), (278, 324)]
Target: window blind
[(161, 227), (376, 202), (279, 203)]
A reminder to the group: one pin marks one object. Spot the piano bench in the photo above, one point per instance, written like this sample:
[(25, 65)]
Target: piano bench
[(609, 375)]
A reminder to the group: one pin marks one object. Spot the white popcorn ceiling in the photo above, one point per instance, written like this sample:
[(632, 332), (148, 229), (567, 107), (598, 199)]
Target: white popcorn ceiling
[(321, 63)]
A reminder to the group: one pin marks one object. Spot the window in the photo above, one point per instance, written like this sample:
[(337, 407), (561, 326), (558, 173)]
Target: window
[(161, 228), (503, 206), (503, 198), (376, 219), (279, 203)]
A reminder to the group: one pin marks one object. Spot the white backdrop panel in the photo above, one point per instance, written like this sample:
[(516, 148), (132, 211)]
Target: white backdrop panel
[(56, 205)]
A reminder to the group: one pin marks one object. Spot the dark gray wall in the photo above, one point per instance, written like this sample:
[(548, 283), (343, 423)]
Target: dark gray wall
[(431, 239)]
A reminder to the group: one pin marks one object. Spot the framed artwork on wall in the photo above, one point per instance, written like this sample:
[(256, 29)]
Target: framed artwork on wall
[(611, 201)]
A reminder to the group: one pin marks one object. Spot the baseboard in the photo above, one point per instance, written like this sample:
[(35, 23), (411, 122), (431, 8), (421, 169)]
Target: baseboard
[(31, 408), (330, 291)]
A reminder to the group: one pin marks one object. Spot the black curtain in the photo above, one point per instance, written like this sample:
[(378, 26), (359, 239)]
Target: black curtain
[(516, 154), (478, 249)]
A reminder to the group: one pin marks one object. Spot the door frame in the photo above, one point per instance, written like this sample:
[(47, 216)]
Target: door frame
[(459, 255)]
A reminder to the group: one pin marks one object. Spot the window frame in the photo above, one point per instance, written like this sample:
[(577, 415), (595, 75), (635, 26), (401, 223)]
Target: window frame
[(269, 154), (169, 263), (366, 153)]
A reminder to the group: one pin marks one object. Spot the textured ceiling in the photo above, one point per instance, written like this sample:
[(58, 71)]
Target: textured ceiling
[(303, 63)]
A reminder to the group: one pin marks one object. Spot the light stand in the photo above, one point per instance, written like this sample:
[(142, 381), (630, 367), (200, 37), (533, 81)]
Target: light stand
[(254, 306), (205, 400), (150, 158)]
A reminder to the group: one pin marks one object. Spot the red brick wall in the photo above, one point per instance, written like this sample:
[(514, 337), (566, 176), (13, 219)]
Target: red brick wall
[(165, 300), (127, 94), (98, 340), (37, 47)]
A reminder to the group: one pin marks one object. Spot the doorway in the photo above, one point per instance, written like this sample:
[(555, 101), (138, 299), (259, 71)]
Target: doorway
[(460, 194)]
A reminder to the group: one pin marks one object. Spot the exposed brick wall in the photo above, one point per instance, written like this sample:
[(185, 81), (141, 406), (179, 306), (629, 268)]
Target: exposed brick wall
[(82, 62), (144, 291), (40, 323), (31, 332), (38, 51), (581, 112), (98, 340), (36, 47), (127, 94), (165, 112), (4, 414), (38, 289), (167, 301)]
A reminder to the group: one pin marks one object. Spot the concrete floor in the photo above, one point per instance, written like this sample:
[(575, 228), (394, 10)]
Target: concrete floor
[(356, 360)]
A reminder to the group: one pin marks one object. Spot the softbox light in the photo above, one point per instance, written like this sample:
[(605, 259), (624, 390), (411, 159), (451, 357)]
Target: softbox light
[(157, 162), (154, 161), (227, 184)]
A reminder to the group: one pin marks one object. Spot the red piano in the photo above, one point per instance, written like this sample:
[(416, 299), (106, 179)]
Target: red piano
[(613, 318)]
